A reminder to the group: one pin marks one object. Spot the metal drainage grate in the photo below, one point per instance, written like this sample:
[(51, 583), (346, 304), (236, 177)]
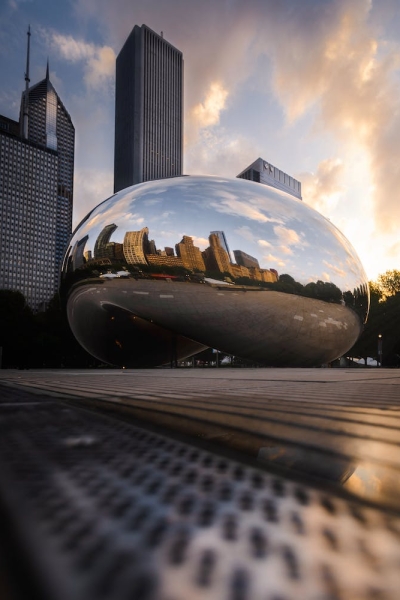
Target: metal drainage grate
[(104, 510)]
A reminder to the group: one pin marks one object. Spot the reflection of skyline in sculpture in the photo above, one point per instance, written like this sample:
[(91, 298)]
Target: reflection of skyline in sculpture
[(78, 257), (135, 245), (215, 256), (190, 254), (168, 304), (245, 260), (223, 241), (137, 249), (100, 247)]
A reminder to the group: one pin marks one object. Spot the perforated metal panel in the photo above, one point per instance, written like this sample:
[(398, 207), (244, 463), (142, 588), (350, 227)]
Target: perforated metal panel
[(105, 509)]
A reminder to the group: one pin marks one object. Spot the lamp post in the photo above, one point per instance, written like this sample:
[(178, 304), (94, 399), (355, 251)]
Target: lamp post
[(380, 343)]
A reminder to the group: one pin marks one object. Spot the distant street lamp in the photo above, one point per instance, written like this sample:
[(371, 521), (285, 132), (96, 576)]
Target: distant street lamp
[(380, 343)]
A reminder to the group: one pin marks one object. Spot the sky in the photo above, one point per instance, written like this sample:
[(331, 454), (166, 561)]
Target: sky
[(311, 86)]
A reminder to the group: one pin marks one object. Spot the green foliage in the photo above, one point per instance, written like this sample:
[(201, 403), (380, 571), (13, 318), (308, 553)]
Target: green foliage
[(17, 328), (384, 320), (389, 283), (37, 340)]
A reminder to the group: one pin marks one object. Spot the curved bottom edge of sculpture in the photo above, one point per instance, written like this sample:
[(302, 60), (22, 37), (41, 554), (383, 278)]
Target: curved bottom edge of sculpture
[(139, 324)]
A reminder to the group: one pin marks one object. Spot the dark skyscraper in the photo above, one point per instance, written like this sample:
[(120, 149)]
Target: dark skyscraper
[(50, 125), (148, 109), (36, 192)]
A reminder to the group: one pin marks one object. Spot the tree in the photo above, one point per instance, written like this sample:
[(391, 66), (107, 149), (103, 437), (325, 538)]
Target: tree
[(17, 329), (389, 282), (383, 320)]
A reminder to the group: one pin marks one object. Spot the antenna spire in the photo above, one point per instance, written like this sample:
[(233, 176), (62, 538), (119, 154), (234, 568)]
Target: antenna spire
[(47, 70), (27, 80)]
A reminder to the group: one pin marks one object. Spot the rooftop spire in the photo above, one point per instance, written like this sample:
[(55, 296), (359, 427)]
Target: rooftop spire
[(27, 80), (47, 69)]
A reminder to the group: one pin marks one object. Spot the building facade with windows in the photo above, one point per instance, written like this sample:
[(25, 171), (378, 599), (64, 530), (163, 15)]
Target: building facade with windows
[(136, 246), (245, 260), (50, 126), (148, 109), (36, 194), (262, 171)]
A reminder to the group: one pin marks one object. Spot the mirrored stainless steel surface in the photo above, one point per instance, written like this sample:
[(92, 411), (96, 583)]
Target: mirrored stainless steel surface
[(165, 268)]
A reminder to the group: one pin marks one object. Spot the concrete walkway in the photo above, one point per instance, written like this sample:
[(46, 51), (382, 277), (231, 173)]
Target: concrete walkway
[(338, 425)]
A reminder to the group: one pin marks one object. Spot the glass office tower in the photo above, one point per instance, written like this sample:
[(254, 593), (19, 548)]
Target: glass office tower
[(148, 109), (50, 125), (36, 194)]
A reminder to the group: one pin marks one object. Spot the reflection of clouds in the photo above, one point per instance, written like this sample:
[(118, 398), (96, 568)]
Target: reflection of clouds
[(352, 267), (152, 201), (287, 236), (201, 242), (335, 269), (246, 233), (235, 207), (281, 232), (285, 250), (274, 260), (149, 188)]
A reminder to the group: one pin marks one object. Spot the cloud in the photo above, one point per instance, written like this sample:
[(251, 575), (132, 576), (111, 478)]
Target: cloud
[(99, 61), (322, 189), (215, 151), (287, 237), (207, 113), (91, 187), (345, 71), (215, 66), (273, 261), (264, 243), (285, 250), (100, 67), (335, 269), (200, 242), (232, 206), (246, 233), (332, 68)]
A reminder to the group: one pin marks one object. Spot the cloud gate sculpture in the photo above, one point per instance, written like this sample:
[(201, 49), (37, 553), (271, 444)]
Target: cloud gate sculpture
[(164, 269)]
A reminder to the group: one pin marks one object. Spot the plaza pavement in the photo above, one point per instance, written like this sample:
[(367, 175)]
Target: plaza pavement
[(337, 425), (250, 484)]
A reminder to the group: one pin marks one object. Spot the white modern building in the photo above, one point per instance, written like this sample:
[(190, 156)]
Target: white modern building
[(262, 171)]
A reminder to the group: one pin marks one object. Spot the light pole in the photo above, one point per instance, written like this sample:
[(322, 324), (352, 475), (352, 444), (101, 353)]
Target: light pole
[(380, 343)]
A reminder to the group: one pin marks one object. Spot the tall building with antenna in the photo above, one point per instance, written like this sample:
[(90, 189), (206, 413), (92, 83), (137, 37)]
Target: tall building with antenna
[(36, 191), (148, 109)]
